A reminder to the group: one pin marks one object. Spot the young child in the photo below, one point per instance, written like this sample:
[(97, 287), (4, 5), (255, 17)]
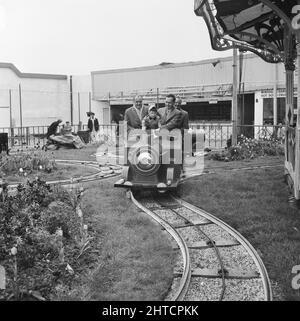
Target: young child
[(152, 120)]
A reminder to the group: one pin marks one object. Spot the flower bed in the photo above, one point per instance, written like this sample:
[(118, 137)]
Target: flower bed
[(25, 163), (44, 242), (249, 148)]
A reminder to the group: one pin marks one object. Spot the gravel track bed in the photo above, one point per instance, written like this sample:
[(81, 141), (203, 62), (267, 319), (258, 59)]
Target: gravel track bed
[(170, 217), (202, 289), (148, 203), (216, 233), (190, 215), (244, 290), (191, 235), (233, 258)]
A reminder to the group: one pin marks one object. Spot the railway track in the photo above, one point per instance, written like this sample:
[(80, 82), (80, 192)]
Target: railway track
[(214, 261), (101, 172)]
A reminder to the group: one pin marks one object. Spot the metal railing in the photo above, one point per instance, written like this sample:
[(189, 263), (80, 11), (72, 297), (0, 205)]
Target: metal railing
[(36, 135), (216, 135), (157, 94)]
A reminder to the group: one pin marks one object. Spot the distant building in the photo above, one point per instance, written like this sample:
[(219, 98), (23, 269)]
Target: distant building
[(40, 98), (205, 86)]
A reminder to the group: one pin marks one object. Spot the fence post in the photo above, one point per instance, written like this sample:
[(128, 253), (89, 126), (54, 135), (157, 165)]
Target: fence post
[(21, 114), (79, 122), (90, 101), (27, 136), (12, 136), (71, 98)]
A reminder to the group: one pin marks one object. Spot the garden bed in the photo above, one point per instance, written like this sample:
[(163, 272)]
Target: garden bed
[(61, 172), (52, 250), (44, 241), (21, 166)]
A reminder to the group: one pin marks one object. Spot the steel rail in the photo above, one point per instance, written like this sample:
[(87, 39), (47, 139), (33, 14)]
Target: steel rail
[(213, 245), (82, 179), (243, 241), (186, 275)]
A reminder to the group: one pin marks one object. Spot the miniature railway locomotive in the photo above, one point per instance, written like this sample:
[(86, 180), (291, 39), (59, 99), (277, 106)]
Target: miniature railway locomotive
[(152, 162)]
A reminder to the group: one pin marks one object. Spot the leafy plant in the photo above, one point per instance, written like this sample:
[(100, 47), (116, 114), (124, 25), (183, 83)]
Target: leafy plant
[(41, 225), (249, 148)]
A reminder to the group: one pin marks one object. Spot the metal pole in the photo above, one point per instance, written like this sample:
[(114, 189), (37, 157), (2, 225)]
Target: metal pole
[(10, 110), (79, 122), (90, 101), (21, 115), (10, 120), (275, 114), (234, 97), (71, 98), (297, 147), (78, 99)]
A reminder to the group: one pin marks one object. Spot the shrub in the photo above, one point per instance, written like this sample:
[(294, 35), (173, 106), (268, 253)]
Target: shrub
[(29, 222), (249, 148), (60, 215)]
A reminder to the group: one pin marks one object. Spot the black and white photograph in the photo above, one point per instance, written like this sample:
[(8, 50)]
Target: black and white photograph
[(149, 154)]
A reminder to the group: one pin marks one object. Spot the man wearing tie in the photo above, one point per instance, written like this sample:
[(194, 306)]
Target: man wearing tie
[(170, 116), (135, 114)]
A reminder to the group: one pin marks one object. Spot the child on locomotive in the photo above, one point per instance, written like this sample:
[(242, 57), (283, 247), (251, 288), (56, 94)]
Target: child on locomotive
[(152, 120)]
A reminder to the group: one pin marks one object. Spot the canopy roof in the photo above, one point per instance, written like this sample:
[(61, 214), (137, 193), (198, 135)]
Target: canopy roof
[(257, 26)]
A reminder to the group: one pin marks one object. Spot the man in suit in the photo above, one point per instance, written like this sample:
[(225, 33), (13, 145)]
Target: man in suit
[(184, 121), (135, 114), (170, 116), (93, 126)]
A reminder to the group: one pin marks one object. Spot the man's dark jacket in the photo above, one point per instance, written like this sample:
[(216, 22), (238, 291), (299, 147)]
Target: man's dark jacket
[(170, 121), (132, 118), (184, 121), (96, 124)]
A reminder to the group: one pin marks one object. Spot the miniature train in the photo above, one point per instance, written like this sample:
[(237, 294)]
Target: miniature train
[(155, 162)]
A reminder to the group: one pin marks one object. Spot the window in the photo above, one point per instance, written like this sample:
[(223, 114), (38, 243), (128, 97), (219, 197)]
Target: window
[(268, 116)]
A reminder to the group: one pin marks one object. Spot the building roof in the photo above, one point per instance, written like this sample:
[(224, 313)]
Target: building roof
[(31, 75), (165, 65)]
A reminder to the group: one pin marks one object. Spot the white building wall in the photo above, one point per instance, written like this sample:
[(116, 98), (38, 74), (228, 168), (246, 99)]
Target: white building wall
[(174, 75), (44, 98), (82, 97), (256, 74)]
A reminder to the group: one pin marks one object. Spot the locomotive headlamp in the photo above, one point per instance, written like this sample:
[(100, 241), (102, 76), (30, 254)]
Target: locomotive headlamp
[(145, 159)]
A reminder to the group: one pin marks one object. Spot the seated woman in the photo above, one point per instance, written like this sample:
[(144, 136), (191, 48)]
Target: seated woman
[(66, 137)]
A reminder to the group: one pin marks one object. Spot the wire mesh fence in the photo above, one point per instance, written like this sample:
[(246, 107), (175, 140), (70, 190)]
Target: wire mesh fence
[(216, 136)]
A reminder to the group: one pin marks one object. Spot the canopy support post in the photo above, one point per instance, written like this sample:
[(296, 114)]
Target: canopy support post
[(297, 146), (234, 97)]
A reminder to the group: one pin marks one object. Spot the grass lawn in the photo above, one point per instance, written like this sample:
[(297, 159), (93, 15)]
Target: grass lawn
[(255, 203), (85, 153), (135, 259), (259, 161)]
